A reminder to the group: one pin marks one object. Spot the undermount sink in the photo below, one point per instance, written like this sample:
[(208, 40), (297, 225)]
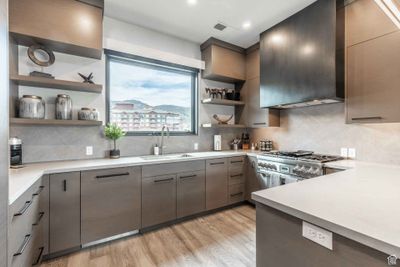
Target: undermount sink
[(161, 157)]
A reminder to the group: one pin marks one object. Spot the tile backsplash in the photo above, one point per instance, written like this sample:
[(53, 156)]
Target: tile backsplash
[(322, 129)]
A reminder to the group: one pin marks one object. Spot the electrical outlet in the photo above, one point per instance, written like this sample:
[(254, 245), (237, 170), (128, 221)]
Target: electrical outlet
[(344, 152), (89, 151), (196, 146), (352, 153), (318, 235)]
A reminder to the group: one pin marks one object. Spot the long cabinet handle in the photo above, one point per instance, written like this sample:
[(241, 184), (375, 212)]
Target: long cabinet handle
[(24, 208), (237, 175), (112, 175), (65, 185), (367, 118), (237, 161), (41, 214), (37, 261), (260, 123), (189, 176), (164, 180), (217, 163), (39, 191), (237, 194), (23, 246)]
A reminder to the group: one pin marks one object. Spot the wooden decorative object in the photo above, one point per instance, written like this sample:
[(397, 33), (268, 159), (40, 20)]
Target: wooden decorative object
[(221, 121)]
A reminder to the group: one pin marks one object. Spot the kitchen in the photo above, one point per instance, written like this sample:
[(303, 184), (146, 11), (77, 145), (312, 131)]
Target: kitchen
[(191, 133)]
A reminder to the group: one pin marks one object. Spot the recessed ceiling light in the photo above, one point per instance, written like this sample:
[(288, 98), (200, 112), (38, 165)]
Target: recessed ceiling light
[(246, 25), (191, 2)]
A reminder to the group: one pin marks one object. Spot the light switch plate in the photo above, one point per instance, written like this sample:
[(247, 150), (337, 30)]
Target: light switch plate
[(89, 151), (344, 152), (318, 235), (196, 146), (352, 153)]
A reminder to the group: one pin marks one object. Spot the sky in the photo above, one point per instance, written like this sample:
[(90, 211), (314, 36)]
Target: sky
[(153, 87)]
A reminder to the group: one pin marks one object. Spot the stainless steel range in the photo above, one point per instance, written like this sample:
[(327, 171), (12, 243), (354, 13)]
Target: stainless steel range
[(281, 167)]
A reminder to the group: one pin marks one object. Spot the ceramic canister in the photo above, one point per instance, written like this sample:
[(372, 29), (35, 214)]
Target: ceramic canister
[(63, 107), (32, 107), (88, 114)]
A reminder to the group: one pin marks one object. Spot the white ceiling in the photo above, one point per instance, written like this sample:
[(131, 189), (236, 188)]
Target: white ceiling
[(195, 23)]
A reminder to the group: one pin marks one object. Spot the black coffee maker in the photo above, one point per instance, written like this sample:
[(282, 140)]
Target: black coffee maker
[(15, 152)]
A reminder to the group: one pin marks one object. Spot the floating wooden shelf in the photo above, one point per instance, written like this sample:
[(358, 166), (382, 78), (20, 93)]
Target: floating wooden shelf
[(56, 84), (224, 102), (45, 122), (210, 125)]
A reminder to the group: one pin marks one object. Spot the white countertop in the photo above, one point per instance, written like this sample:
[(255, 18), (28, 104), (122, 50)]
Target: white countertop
[(21, 179), (361, 203)]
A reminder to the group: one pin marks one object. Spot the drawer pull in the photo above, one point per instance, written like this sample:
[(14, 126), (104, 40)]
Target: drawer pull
[(237, 175), (65, 185), (23, 246), (189, 176), (41, 214), (24, 208), (367, 118), (39, 191), (164, 180), (112, 175), (41, 249), (237, 194), (237, 161), (217, 163), (260, 123)]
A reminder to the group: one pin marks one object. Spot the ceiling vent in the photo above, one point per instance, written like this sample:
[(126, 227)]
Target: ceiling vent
[(220, 27)]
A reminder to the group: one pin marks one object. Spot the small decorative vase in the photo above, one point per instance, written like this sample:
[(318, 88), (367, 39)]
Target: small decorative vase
[(115, 154), (88, 114), (32, 107), (63, 107)]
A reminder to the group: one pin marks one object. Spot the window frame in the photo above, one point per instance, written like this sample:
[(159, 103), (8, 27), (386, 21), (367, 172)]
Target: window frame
[(114, 56)]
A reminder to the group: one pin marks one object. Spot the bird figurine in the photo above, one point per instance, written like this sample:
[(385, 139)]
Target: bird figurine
[(87, 79)]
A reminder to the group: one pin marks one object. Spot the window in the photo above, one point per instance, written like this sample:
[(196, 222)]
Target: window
[(143, 95)]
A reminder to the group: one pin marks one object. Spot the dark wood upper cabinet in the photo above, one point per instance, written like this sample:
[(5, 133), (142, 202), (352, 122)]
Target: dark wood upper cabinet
[(224, 62), (302, 59), (66, 26), (373, 80), (365, 20)]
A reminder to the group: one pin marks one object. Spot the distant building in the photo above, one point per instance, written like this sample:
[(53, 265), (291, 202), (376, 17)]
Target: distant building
[(131, 120)]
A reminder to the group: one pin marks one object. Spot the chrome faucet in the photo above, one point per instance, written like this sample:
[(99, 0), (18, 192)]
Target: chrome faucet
[(162, 138)]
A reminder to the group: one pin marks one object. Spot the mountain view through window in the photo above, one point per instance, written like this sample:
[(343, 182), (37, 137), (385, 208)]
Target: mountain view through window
[(145, 97)]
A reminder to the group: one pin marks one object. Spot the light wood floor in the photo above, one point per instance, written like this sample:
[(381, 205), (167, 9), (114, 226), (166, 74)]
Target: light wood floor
[(226, 238)]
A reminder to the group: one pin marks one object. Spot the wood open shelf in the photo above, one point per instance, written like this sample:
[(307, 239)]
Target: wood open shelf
[(211, 125), (56, 84), (45, 122), (224, 102)]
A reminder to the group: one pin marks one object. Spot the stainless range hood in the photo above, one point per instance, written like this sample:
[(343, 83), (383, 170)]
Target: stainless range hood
[(302, 58)]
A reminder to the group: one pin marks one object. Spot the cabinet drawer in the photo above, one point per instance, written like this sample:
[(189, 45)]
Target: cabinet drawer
[(172, 168), (191, 193), (236, 162), (110, 203), (158, 200), (236, 176), (236, 193), (216, 163)]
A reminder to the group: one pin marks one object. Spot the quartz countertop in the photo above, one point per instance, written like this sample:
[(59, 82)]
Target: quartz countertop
[(21, 179), (360, 203)]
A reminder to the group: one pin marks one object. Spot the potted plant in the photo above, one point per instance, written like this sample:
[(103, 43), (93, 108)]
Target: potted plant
[(114, 132)]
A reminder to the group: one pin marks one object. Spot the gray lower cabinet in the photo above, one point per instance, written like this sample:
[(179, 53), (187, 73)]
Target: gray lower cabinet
[(216, 183), (110, 202), (65, 211), (254, 181), (191, 193), (158, 200), (27, 226)]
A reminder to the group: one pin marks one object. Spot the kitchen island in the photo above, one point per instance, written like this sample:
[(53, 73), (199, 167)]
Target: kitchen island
[(359, 205)]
